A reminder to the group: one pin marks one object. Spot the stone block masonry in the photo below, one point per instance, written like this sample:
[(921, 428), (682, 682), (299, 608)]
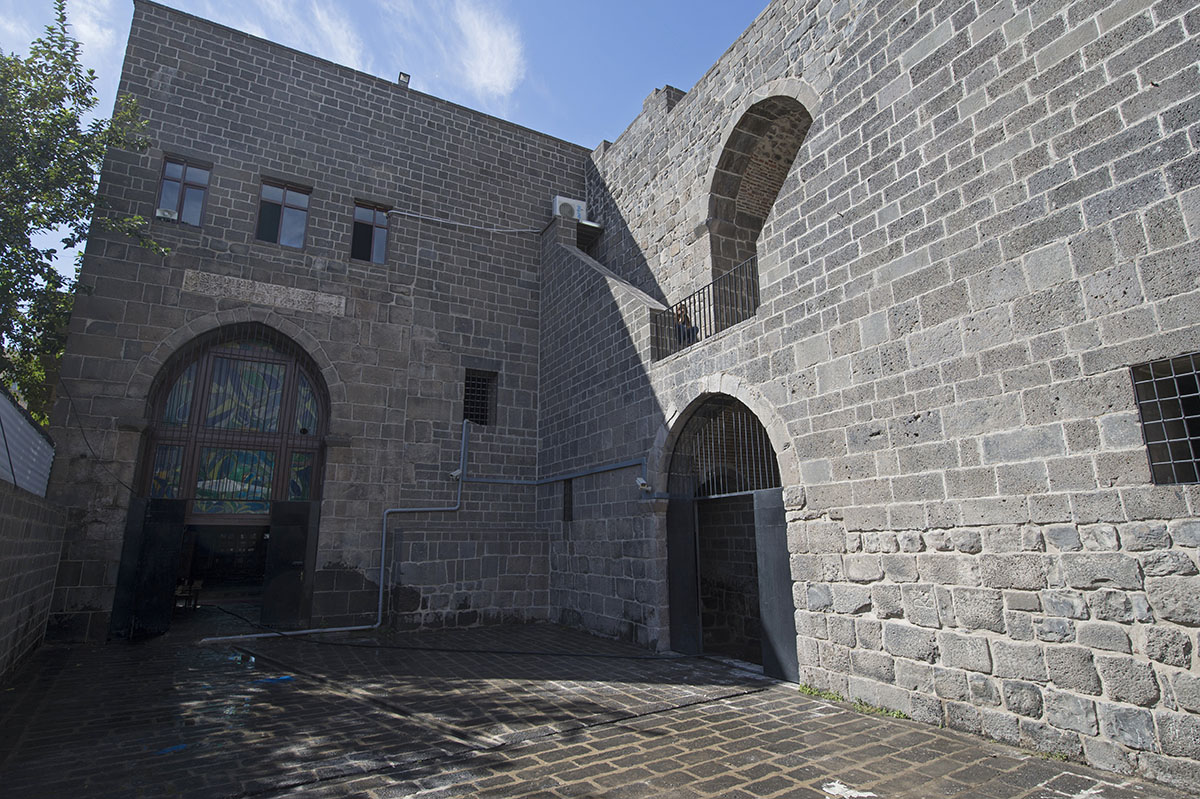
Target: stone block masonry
[(993, 215), (31, 534)]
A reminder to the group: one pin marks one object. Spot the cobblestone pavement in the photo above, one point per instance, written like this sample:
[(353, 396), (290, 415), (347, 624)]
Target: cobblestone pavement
[(513, 712)]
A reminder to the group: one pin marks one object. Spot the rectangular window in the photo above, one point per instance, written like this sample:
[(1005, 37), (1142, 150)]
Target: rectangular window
[(283, 214), (1168, 397), (479, 396), (184, 187), (369, 239)]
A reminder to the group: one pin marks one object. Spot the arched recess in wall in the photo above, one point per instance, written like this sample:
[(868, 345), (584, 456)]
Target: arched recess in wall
[(229, 480), (728, 570), (754, 162)]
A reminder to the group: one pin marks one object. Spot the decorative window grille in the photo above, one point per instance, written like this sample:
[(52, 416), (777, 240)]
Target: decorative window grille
[(479, 397), (1168, 397)]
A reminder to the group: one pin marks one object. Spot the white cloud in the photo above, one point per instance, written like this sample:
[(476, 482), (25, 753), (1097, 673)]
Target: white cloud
[(491, 55)]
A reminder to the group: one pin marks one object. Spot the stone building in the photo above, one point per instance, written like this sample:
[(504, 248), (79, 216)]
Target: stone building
[(874, 361)]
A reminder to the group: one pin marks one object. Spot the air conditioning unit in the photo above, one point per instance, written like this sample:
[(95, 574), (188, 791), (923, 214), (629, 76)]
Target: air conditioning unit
[(167, 213), (570, 209)]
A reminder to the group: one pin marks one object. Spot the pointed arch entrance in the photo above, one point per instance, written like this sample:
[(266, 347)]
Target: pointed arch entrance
[(228, 489), (729, 573)]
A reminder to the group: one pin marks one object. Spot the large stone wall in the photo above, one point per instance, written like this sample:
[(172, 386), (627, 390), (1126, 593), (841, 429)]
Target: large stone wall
[(391, 341), (994, 214), (31, 535)]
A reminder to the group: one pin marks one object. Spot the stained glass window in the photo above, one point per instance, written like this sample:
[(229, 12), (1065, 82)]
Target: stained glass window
[(259, 431)]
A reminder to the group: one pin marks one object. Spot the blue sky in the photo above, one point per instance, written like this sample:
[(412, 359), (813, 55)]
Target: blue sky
[(576, 70)]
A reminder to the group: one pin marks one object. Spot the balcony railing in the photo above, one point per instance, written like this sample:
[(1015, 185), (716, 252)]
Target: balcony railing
[(731, 298)]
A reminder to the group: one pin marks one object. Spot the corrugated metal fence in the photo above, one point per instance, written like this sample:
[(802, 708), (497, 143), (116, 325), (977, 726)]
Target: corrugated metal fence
[(26, 453)]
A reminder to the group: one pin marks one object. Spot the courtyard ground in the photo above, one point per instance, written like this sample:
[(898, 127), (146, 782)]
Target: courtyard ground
[(535, 711)]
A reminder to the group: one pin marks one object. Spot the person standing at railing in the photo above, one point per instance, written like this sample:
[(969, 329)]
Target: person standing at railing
[(685, 331)]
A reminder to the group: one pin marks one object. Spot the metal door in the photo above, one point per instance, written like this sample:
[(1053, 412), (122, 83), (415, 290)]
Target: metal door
[(778, 616), (683, 576), (287, 583)]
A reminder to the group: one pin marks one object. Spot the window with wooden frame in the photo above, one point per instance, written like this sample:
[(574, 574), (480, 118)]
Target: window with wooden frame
[(368, 240), (283, 214), (182, 191)]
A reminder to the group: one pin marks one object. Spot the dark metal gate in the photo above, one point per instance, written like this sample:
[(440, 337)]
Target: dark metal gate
[(725, 452)]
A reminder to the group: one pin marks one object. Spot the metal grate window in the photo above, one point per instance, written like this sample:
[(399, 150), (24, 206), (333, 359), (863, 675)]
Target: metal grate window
[(723, 450), (1168, 396), (479, 397)]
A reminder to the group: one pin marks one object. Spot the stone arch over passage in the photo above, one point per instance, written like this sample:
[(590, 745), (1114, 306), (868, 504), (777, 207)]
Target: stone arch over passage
[(729, 576), (754, 162), (229, 481)]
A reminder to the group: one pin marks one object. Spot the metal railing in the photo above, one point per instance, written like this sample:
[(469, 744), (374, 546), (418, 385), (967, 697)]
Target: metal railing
[(731, 298)]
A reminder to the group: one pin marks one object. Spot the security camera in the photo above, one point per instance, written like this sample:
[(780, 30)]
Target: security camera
[(456, 474), (642, 484)]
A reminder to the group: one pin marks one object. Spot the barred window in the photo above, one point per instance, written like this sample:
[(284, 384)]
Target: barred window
[(1168, 397), (479, 396)]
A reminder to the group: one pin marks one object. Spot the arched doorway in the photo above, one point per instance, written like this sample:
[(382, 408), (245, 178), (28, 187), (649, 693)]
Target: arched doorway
[(228, 486), (750, 172), (729, 572)]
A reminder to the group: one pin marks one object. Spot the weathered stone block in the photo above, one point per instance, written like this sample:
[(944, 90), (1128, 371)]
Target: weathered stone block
[(1110, 605), (820, 597), (1128, 680), (1178, 733), (921, 605), (869, 633), (900, 568), (913, 675), (851, 598), (966, 540), (907, 641), (1187, 691), (876, 665), (1072, 667), (1023, 698), (1041, 737), (951, 684), (1063, 537), (1142, 536), (1169, 645), (979, 608), (862, 568), (965, 652), (1098, 537), (1099, 635), (1167, 562), (1175, 599), (1054, 629), (1022, 570), (963, 717), (1020, 661), (886, 601), (1071, 712), (1068, 604), (948, 569), (1022, 600), (1101, 570), (983, 690), (841, 630), (1131, 726), (1185, 532)]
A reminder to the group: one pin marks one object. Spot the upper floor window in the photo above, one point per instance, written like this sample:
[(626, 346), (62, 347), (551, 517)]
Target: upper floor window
[(184, 186), (1168, 397), (369, 239), (283, 214)]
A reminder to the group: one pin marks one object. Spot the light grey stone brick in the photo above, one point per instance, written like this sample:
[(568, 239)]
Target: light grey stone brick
[(1187, 691), (1072, 668), (1101, 570), (1071, 712), (984, 690), (1100, 635), (1142, 536), (1175, 599), (1025, 571), (979, 609), (1128, 680), (921, 605), (851, 598), (1063, 537), (900, 568), (887, 601), (876, 665), (863, 568), (916, 643), (1185, 532), (912, 675), (1130, 726), (1109, 605), (1059, 602), (1028, 601), (1099, 537), (950, 684), (1054, 630), (820, 596), (1023, 698), (1022, 661), (1169, 645), (1166, 562), (1178, 733), (965, 652)]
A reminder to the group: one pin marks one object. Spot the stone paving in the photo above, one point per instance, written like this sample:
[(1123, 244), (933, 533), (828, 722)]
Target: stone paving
[(504, 712)]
